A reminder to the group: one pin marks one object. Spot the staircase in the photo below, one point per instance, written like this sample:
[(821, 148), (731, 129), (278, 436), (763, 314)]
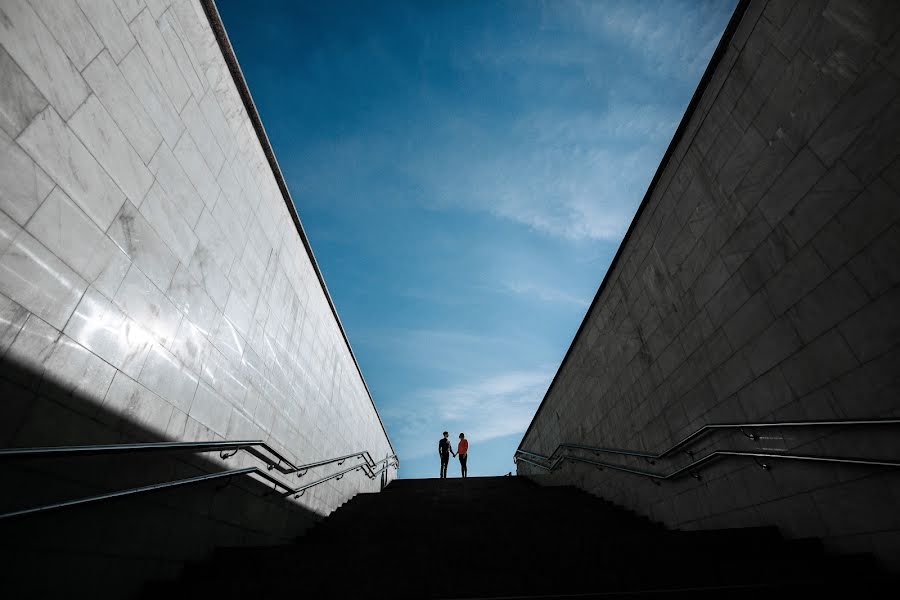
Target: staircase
[(506, 537)]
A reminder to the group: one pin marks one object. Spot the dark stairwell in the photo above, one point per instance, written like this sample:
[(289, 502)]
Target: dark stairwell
[(506, 537)]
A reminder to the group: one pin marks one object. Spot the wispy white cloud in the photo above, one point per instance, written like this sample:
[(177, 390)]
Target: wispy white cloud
[(544, 293), (485, 408), (674, 39)]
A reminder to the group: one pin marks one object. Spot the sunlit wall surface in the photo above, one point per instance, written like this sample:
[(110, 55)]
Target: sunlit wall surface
[(149, 265)]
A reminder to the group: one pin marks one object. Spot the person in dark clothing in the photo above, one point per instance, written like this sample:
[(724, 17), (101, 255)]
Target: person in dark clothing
[(444, 452)]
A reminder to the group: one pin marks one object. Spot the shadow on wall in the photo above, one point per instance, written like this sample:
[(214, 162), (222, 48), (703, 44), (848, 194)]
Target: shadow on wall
[(109, 548)]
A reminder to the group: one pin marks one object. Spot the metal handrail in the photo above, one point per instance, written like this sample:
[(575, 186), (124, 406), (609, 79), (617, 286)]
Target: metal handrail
[(392, 461), (521, 455), (694, 468), (254, 447), (227, 449)]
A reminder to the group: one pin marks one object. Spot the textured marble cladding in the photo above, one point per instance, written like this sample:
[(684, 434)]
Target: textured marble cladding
[(760, 282), (147, 259)]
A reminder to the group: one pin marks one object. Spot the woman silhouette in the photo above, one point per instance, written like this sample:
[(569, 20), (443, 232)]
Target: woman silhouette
[(463, 451)]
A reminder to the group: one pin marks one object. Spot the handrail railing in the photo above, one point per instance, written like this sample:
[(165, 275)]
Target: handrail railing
[(554, 459), (254, 447), (227, 449)]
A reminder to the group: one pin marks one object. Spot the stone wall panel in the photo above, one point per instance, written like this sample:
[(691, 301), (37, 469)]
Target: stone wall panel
[(769, 292)]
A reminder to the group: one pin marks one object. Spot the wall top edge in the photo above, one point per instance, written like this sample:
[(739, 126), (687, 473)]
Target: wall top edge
[(727, 35), (237, 75)]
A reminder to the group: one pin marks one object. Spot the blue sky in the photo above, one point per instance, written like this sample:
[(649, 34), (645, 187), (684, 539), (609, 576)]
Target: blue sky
[(465, 171)]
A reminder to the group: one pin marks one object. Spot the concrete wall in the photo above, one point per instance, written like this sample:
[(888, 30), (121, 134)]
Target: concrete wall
[(153, 282), (759, 281)]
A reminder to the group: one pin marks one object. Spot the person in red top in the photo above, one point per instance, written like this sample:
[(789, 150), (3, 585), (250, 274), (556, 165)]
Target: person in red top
[(463, 452)]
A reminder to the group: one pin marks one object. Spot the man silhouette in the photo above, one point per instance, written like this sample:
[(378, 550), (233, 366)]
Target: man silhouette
[(444, 453)]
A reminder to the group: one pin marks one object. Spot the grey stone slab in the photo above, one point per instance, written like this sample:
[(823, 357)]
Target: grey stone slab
[(769, 165), (238, 313), (772, 346), (205, 269), (151, 92), (135, 236), (9, 229), (728, 138), (747, 237), (810, 108), (228, 340), (868, 390), (72, 30), (731, 296), (831, 193), (157, 7), (160, 58), (710, 280), (35, 278), (744, 156), (194, 166), (164, 374), (874, 329), (104, 329), (212, 112), (188, 294), (32, 347), (707, 133), (876, 147), (169, 27), (230, 186), (162, 214), (20, 100), (798, 277), (177, 424), (12, 318), (877, 267), (245, 285), (816, 364), (858, 223), (749, 320), (765, 394), (64, 157), (130, 8), (202, 136), (30, 43), (769, 72), (859, 23), (202, 47), (146, 304), (106, 142), (778, 11), (797, 25), (116, 95), (241, 426), (68, 233), (25, 185), (792, 185), (768, 258), (76, 370), (211, 409), (191, 346), (176, 184), (828, 304), (137, 406), (110, 26), (865, 99), (776, 113)]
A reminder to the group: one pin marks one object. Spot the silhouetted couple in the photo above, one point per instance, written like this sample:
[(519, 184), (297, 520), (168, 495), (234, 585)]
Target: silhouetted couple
[(445, 450)]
